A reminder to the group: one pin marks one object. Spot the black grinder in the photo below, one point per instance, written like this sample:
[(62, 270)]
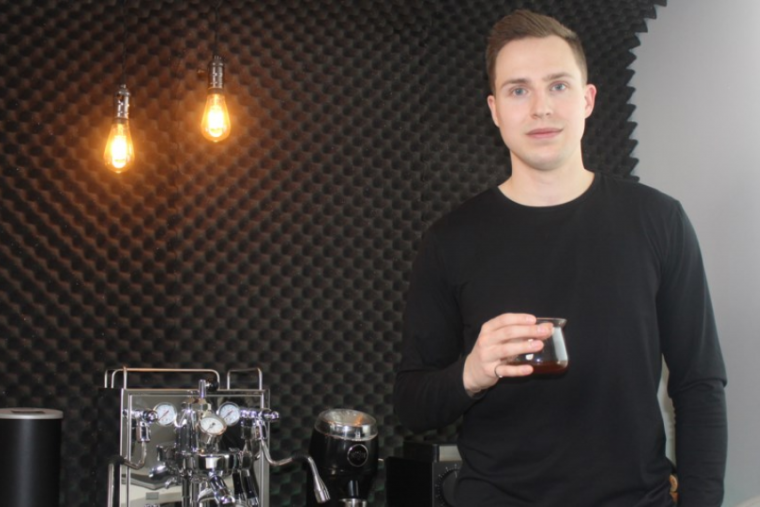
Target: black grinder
[(344, 448)]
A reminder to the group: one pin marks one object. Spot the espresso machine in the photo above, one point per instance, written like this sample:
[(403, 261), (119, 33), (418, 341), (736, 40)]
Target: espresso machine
[(344, 447), (188, 446)]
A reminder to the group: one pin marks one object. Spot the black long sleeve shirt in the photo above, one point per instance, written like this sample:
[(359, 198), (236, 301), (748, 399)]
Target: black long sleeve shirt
[(622, 264)]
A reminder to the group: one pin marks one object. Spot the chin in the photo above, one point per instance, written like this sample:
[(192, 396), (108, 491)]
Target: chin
[(548, 163), (543, 166)]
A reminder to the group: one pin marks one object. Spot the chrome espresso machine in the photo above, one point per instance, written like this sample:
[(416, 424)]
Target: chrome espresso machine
[(200, 444)]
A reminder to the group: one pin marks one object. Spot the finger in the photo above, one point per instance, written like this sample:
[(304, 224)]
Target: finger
[(508, 319), (507, 370), (514, 348), (520, 333)]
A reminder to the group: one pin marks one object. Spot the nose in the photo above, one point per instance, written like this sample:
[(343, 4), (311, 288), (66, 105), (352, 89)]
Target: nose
[(541, 105)]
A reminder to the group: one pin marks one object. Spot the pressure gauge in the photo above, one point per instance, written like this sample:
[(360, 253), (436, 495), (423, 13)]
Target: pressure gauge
[(211, 424), (166, 412), (230, 412)]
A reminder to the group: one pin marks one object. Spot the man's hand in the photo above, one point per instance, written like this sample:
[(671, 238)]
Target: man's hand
[(501, 338)]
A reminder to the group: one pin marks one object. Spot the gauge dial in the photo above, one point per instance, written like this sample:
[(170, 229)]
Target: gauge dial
[(212, 424), (166, 412), (230, 412)]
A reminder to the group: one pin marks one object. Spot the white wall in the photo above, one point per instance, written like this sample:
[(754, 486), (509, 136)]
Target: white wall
[(697, 81)]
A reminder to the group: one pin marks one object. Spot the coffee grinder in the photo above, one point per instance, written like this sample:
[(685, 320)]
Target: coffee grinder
[(344, 448)]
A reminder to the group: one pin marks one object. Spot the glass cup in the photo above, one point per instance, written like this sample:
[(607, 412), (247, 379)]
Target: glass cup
[(553, 357)]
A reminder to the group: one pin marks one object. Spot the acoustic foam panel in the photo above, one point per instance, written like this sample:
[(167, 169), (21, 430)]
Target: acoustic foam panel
[(356, 124)]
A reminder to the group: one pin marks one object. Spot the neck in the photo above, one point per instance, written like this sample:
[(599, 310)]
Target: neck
[(546, 188)]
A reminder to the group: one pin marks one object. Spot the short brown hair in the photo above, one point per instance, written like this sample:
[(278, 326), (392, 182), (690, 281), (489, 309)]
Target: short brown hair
[(522, 24)]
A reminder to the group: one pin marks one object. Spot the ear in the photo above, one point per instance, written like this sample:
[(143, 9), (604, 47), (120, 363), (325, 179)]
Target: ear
[(590, 98), (492, 107)]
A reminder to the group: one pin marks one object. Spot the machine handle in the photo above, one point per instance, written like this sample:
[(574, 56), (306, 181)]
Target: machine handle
[(250, 487), (246, 370), (125, 370)]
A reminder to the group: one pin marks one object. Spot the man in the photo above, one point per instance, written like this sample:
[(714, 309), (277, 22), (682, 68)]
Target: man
[(618, 260)]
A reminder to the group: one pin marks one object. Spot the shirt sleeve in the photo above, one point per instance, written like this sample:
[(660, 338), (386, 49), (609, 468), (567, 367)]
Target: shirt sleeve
[(697, 372), (429, 390)]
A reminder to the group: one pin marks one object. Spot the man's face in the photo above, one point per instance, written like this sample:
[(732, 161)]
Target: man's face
[(541, 103)]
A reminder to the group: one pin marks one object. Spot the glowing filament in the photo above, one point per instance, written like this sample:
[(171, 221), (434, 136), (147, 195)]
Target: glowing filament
[(120, 152), (216, 118)]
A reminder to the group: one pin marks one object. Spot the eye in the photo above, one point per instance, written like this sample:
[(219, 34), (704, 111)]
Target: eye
[(519, 92), (559, 87)]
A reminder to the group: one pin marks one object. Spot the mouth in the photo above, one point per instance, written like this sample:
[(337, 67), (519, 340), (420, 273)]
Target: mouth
[(544, 133)]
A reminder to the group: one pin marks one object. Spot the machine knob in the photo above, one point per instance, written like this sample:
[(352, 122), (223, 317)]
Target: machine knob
[(269, 415), (252, 414), (444, 487), (358, 455)]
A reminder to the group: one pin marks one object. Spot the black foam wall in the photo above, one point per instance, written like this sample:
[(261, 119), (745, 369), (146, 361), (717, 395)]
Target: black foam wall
[(356, 123)]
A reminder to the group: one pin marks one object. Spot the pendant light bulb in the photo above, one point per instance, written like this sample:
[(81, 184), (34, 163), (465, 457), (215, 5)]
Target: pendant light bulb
[(216, 125), (120, 152)]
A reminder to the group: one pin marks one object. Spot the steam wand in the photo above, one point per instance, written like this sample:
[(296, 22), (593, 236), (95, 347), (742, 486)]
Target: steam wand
[(254, 428), (144, 419), (320, 490)]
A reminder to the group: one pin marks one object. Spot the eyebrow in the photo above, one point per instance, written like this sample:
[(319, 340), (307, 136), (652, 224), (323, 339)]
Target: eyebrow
[(522, 80)]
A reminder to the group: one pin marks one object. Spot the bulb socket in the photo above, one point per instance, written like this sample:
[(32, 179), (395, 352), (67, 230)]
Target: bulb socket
[(121, 103), (216, 73)]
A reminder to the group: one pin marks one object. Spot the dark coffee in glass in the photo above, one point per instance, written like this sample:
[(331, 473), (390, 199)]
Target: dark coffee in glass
[(553, 357)]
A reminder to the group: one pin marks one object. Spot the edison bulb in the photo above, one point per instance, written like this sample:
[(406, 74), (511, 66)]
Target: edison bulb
[(216, 125), (120, 151), (216, 118)]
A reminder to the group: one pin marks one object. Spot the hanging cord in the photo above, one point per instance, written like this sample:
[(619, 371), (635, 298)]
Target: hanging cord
[(216, 27), (123, 44), (176, 219)]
